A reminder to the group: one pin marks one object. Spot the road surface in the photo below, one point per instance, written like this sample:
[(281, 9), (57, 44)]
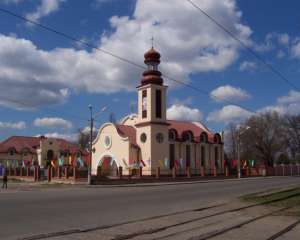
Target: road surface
[(48, 210)]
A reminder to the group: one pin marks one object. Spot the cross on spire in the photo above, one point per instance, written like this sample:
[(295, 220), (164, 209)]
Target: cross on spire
[(152, 41)]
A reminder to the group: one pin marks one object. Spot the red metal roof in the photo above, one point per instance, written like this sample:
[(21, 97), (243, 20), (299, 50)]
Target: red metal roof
[(127, 131), (194, 127), (32, 143)]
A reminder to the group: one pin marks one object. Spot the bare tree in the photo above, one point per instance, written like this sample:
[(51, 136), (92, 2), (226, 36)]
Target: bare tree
[(264, 140), (292, 137), (83, 137), (231, 141)]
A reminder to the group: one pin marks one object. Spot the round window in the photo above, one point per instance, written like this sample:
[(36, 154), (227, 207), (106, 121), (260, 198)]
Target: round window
[(143, 137), (159, 137), (107, 141)]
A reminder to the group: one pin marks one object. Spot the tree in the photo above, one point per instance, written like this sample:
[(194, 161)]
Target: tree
[(264, 137), (231, 141), (292, 136), (84, 137)]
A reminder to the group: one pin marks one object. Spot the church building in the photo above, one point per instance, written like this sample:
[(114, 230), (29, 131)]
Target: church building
[(149, 140)]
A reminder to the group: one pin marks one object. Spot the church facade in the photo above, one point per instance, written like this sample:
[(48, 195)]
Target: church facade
[(149, 140)]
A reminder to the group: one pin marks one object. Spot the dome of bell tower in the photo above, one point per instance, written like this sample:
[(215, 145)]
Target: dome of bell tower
[(152, 75)]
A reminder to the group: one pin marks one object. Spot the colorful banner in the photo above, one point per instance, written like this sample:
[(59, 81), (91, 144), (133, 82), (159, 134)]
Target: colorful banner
[(167, 165)]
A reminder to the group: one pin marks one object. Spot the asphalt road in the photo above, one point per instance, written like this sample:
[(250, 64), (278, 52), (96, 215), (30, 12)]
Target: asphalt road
[(26, 213)]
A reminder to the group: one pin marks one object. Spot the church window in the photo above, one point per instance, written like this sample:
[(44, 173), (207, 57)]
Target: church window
[(158, 103), (144, 104), (159, 137), (107, 141), (172, 135), (143, 137), (203, 137), (187, 136)]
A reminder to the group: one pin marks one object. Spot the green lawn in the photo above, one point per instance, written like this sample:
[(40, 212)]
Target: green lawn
[(281, 198)]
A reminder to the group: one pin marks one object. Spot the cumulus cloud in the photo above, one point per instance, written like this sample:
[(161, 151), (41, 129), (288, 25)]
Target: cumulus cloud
[(229, 93), (44, 9), (248, 66), (228, 114), (11, 125), (295, 49), (39, 77), (52, 123), (184, 113), (288, 104), (283, 39)]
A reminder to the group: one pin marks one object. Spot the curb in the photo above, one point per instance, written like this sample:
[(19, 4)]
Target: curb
[(180, 183)]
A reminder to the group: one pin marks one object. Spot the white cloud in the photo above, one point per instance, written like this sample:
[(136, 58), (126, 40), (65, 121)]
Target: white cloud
[(87, 130), (248, 66), (283, 39), (228, 114), (69, 137), (292, 97), (184, 113), (288, 104), (44, 9), (228, 93), (280, 53), (10, 125), (295, 49), (52, 123), (38, 77)]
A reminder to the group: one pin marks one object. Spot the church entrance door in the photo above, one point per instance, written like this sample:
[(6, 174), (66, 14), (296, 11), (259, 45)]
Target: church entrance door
[(109, 167)]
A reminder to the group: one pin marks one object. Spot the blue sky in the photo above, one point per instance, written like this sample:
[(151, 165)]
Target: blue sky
[(47, 82)]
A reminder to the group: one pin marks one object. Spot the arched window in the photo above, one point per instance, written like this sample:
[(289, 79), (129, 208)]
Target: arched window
[(12, 151), (25, 152), (217, 138), (187, 136), (172, 135), (203, 137)]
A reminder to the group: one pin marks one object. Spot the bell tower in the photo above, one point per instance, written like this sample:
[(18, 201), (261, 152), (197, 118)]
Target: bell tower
[(152, 126)]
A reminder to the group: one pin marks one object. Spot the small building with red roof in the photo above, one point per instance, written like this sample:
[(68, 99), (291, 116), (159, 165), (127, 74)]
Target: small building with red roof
[(18, 151), (149, 140)]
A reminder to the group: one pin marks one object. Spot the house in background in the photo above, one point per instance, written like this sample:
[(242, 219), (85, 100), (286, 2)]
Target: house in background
[(150, 140), (18, 151)]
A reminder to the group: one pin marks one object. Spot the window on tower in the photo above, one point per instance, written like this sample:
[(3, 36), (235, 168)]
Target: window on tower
[(158, 103), (144, 104)]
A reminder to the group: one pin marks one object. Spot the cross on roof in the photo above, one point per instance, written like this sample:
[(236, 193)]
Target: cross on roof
[(152, 41)]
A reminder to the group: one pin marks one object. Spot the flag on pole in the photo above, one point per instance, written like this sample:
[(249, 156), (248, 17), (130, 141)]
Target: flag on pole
[(166, 162), (143, 163), (181, 162), (125, 163), (161, 164), (177, 164)]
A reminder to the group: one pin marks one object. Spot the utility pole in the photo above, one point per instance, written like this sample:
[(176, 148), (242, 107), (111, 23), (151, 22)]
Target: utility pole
[(92, 119), (238, 146), (91, 146), (238, 155)]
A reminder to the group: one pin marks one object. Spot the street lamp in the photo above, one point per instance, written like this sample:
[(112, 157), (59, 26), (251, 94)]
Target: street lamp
[(239, 133), (92, 119)]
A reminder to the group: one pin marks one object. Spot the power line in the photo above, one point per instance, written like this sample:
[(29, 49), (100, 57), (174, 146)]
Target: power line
[(25, 105), (74, 39), (269, 66)]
